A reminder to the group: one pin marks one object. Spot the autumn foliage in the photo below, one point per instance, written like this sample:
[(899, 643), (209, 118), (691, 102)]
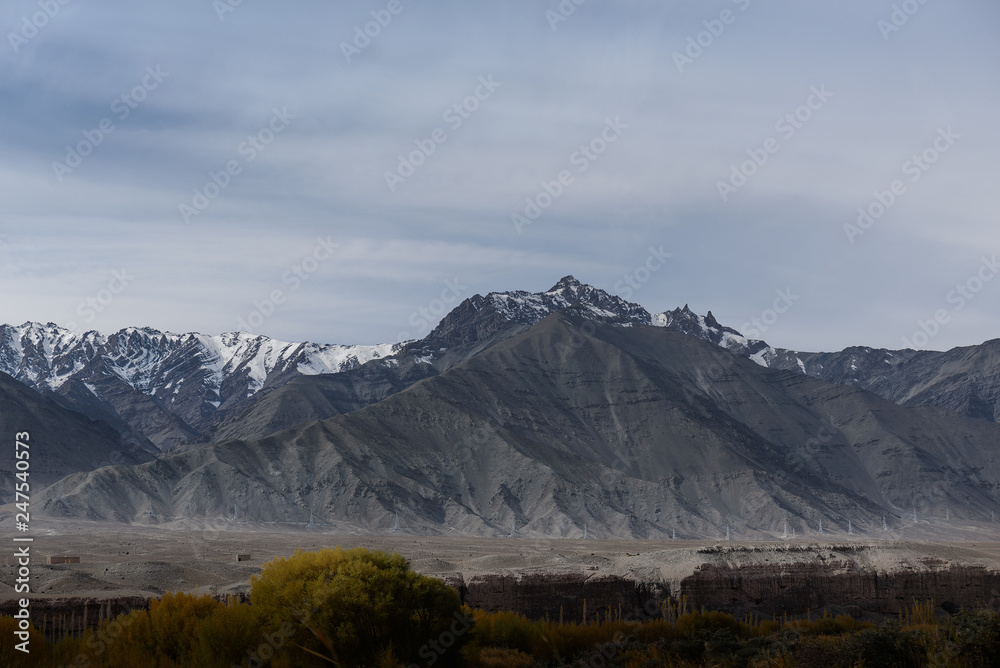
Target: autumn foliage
[(362, 609)]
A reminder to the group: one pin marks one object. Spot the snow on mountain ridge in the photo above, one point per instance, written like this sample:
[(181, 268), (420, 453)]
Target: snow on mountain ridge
[(49, 355), (530, 307), (237, 365)]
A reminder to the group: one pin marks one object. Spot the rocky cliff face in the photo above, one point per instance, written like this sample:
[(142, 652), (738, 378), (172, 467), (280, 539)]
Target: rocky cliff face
[(797, 588), (841, 586), (72, 615), (570, 597), (813, 580)]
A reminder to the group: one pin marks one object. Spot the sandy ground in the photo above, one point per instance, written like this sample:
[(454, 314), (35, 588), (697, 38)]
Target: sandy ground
[(145, 560)]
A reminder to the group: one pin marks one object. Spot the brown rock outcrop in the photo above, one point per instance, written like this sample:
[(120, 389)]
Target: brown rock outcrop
[(565, 596), (74, 614), (798, 587)]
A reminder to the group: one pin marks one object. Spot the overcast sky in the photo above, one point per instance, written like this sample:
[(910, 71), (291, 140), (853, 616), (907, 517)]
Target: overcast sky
[(160, 96)]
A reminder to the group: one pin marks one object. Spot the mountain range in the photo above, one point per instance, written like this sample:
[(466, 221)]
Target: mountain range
[(546, 412), (160, 387)]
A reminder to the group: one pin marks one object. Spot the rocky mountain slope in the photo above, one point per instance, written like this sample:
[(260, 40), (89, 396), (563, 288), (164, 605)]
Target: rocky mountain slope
[(182, 390), (173, 392), (162, 387), (61, 441), (471, 327), (965, 380), (630, 431)]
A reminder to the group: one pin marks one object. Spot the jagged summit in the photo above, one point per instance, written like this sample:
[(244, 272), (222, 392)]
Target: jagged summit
[(175, 388), (530, 307), (566, 283), (501, 379), (630, 431)]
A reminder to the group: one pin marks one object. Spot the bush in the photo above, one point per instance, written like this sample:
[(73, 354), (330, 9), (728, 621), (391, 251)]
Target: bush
[(693, 622), (231, 635), (175, 620), (495, 657), (974, 637), (353, 605), (888, 647), (11, 656), (177, 630)]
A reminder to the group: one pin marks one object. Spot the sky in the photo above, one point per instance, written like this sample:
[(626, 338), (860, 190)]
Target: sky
[(334, 171)]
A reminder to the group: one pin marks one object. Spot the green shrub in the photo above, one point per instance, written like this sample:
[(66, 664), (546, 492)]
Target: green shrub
[(973, 638)]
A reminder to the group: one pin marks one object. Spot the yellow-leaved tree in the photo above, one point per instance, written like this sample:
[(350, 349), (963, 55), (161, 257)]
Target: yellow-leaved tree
[(359, 607)]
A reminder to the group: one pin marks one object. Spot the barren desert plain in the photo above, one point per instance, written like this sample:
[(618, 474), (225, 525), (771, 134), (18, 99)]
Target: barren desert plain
[(534, 575)]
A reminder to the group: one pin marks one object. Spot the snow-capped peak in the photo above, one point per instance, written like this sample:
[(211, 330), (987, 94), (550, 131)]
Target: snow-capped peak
[(566, 283), (231, 364), (530, 307), (708, 328)]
